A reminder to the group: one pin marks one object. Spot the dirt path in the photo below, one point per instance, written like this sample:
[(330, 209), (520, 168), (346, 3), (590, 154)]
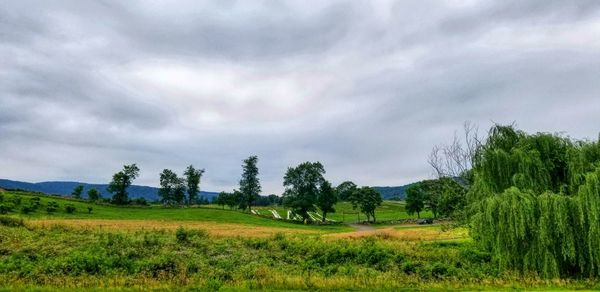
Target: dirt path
[(361, 227)]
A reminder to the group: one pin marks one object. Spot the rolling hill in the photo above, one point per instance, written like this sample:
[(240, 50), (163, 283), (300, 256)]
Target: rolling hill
[(66, 187)]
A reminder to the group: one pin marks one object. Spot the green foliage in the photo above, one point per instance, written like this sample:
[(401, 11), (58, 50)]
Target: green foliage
[(52, 207), (120, 182), (11, 222), (77, 191), (192, 181), (93, 195), (535, 203), (367, 200), (6, 207), (181, 234), (249, 184), (302, 187), (172, 188), (415, 196), (229, 199), (70, 208), (326, 199), (345, 190)]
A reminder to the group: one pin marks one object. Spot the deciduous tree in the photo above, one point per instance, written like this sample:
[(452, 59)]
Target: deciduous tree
[(249, 184), (120, 182)]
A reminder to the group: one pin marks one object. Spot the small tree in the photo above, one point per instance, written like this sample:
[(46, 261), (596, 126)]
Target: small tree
[(52, 207), (120, 182), (69, 208), (345, 190), (249, 184), (192, 180), (367, 199), (77, 191), (172, 188), (93, 195), (326, 199), (415, 199), (221, 199)]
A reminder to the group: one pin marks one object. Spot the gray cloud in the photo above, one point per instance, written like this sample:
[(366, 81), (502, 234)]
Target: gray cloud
[(366, 88)]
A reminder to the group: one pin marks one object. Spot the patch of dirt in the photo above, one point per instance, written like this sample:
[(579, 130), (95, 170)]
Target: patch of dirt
[(2, 190), (361, 227)]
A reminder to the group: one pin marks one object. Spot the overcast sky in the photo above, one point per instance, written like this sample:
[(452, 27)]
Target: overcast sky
[(365, 87)]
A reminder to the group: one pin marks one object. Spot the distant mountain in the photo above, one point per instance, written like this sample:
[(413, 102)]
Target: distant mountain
[(66, 187), (393, 192)]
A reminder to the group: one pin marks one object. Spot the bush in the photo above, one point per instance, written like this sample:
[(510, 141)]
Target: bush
[(181, 234), (89, 210), (34, 202), (69, 208), (140, 202), (16, 200), (27, 209), (52, 207), (11, 222), (1, 198), (5, 208)]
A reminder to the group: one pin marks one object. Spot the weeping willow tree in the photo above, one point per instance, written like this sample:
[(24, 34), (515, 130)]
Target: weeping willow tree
[(535, 202)]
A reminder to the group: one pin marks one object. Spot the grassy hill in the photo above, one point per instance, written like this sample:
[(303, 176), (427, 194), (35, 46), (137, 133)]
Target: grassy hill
[(66, 187)]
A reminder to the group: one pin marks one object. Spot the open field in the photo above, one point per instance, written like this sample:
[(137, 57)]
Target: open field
[(212, 249), (155, 215), (389, 210), (61, 256)]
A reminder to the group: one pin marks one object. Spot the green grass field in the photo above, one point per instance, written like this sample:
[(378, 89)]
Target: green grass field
[(203, 213), (210, 249)]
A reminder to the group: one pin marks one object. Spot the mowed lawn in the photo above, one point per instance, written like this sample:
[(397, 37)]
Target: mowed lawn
[(106, 216), (389, 210)]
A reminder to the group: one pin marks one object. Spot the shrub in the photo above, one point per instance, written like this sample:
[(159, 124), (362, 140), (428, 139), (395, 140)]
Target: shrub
[(16, 200), (27, 209), (1, 198), (5, 208), (140, 202), (52, 207), (34, 203), (11, 222), (181, 234), (69, 208), (89, 210)]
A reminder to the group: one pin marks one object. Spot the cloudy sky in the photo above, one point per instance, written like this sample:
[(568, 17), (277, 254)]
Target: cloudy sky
[(365, 87)]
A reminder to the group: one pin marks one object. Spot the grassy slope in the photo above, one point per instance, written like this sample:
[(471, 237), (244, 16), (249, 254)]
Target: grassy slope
[(389, 210), (154, 213)]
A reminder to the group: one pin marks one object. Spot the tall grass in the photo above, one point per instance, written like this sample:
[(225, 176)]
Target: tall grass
[(61, 256)]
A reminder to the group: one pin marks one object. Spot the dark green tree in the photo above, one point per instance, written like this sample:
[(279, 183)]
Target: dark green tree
[(172, 188), (535, 202), (415, 196), (77, 191), (366, 199), (192, 180), (326, 199), (249, 184), (302, 186), (345, 190), (93, 195), (120, 182)]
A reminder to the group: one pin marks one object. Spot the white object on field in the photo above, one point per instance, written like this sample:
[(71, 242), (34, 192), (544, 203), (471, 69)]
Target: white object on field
[(275, 214)]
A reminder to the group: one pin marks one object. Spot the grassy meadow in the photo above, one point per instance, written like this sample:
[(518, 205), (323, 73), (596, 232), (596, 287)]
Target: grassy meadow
[(210, 249)]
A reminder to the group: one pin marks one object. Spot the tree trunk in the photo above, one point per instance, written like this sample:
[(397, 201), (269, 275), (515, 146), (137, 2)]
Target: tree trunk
[(324, 214), (418, 215)]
